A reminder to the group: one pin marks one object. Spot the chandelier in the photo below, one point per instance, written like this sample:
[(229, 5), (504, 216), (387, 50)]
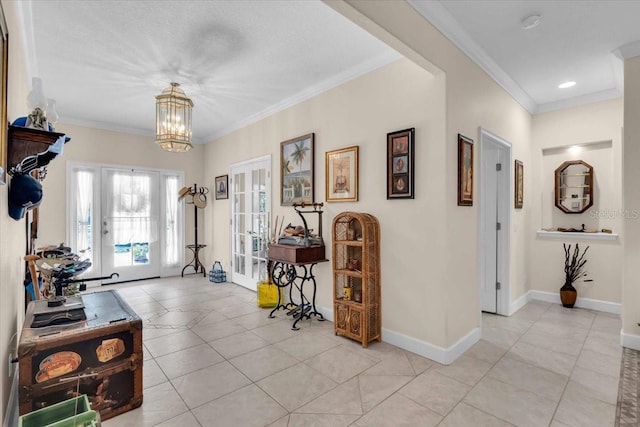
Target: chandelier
[(173, 119)]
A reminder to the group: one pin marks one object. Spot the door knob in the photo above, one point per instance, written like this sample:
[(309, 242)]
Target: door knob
[(105, 232)]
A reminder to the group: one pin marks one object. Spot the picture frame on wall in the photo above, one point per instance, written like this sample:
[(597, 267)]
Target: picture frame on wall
[(400, 164), (341, 177), (297, 170), (518, 184), (222, 187), (465, 171)]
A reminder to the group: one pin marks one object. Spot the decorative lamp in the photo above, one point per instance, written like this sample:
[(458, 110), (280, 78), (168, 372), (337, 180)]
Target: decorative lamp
[(37, 103), (173, 119)]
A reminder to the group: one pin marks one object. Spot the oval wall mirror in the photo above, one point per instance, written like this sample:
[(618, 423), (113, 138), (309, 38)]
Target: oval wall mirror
[(574, 187)]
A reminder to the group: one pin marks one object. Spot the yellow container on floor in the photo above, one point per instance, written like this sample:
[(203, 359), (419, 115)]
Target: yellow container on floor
[(268, 294)]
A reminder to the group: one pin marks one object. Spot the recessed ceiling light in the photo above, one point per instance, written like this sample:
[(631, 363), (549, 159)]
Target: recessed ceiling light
[(566, 85), (530, 22)]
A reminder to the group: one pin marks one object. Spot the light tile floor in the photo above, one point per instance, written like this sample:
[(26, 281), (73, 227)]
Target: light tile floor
[(213, 358)]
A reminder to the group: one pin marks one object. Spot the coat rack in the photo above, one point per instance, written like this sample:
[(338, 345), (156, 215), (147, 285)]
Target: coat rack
[(198, 198)]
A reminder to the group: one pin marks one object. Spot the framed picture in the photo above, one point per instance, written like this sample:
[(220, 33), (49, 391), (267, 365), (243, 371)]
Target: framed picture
[(4, 71), (296, 170), (341, 177), (222, 187), (519, 184), (400, 162), (465, 171)]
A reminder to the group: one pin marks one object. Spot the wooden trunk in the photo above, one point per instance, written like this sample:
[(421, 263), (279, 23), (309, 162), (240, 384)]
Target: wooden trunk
[(101, 357)]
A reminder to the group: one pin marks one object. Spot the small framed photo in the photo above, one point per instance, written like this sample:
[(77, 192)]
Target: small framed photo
[(400, 162), (519, 184), (296, 170), (465, 171), (341, 177), (222, 187)]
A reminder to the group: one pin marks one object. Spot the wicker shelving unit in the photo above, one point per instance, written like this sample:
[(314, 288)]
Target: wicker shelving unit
[(356, 276)]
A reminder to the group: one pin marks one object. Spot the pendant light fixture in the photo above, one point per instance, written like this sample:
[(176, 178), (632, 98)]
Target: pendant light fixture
[(173, 119)]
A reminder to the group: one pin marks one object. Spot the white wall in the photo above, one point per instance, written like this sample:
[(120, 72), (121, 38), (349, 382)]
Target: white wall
[(554, 134)]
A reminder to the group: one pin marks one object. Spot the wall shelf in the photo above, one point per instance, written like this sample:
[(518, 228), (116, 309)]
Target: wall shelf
[(30, 143), (576, 235)]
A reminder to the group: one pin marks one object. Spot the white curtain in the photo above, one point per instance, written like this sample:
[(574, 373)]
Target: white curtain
[(84, 210), (172, 221), (129, 208)]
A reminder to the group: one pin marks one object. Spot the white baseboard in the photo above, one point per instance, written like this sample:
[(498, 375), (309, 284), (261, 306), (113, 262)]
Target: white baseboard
[(11, 415), (588, 303), (326, 313), (445, 356), (630, 341), (519, 303)]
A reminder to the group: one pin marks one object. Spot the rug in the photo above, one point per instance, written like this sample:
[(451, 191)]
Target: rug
[(627, 410)]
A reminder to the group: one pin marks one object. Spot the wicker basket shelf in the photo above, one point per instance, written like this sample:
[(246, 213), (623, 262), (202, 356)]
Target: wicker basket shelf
[(356, 276)]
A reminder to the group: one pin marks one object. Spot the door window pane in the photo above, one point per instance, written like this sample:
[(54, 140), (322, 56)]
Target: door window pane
[(84, 213), (172, 222)]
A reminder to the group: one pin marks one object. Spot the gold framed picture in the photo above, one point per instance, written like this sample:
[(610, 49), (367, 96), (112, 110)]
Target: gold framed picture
[(341, 177)]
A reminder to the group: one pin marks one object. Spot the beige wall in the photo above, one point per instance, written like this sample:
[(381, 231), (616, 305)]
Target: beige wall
[(111, 148), (361, 112), (555, 133), (473, 100), (631, 197), (12, 234), (436, 278)]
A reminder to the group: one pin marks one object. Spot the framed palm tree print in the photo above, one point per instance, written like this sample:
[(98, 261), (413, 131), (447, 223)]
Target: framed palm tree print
[(296, 170)]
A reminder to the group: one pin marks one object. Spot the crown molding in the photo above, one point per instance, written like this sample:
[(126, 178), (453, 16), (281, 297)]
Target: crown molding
[(577, 101), (628, 51), (434, 12), (94, 124), (312, 91)]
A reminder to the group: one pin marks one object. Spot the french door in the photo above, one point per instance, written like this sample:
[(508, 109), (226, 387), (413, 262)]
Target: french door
[(130, 214), (125, 221), (250, 213)]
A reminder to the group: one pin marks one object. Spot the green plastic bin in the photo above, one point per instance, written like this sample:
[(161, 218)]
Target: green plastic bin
[(74, 412)]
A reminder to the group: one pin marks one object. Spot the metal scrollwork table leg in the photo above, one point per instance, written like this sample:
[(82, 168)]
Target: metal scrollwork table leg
[(284, 275)]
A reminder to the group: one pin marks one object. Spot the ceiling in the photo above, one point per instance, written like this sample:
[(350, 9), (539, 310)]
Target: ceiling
[(105, 61), (581, 41)]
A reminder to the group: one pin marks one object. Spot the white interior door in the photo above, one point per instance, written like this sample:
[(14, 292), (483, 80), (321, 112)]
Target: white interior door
[(129, 224), (250, 212), (491, 163), (495, 224)]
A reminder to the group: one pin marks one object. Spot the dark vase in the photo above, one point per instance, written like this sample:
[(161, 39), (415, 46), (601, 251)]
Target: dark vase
[(568, 295)]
